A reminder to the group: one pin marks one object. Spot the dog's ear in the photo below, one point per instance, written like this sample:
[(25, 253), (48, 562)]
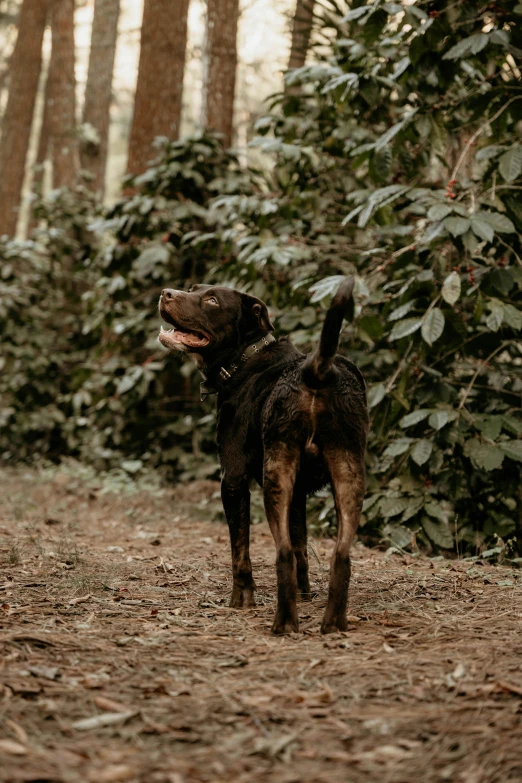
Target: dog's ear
[(256, 312)]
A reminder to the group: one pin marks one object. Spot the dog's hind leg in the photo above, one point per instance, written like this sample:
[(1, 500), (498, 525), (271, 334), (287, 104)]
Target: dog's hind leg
[(347, 477), (236, 502), (278, 486), (298, 536)]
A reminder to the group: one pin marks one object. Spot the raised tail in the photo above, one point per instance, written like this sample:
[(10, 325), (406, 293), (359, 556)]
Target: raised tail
[(318, 364)]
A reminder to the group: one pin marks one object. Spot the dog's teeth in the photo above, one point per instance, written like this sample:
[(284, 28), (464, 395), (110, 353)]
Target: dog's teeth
[(161, 329)]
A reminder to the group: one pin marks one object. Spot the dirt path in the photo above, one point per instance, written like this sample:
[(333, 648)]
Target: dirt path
[(121, 662)]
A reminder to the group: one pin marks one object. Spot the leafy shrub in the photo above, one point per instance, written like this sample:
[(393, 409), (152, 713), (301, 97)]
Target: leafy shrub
[(398, 159)]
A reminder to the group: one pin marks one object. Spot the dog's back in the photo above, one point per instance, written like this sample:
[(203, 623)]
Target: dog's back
[(319, 403)]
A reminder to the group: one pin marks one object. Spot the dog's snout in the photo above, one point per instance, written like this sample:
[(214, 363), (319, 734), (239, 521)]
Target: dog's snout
[(168, 294)]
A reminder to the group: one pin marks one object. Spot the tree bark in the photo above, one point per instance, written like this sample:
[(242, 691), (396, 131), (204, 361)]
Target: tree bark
[(301, 31), (157, 106), (220, 65), (62, 98), (25, 68), (98, 91), (41, 155)]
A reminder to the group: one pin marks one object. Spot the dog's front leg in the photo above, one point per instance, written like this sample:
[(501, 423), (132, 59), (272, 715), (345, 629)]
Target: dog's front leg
[(236, 503)]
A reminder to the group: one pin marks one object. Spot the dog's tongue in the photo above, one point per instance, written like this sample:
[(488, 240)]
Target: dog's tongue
[(174, 338), (190, 339)]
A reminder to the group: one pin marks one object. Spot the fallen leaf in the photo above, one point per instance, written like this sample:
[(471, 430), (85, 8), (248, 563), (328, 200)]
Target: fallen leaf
[(108, 704), (105, 719), (47, 672), (80, 600), (13, 748), (510, 687), (116, 772), (18, 730), (459, 671)]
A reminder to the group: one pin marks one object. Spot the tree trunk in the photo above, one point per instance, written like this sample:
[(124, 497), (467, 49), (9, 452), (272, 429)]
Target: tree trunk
[(301, 30), (41, 155), (157, 106), (25, 68), (219, 79), (62, 98), (98, 92)]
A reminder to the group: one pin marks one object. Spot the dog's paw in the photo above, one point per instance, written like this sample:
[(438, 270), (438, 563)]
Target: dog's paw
[(281, 628), (307, 595), (285, 622), (334, 625), (242, 599)]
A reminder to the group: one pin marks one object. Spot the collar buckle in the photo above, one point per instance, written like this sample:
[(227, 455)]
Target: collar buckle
[(224, 374)]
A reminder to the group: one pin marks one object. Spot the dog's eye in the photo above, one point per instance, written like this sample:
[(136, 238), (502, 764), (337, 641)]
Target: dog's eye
[(212, 300)]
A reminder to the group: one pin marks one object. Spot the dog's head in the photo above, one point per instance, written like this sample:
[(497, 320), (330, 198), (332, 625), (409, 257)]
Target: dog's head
[(210, 320)]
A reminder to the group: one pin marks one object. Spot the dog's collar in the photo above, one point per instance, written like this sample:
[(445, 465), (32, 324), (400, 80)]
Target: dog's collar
[(226, 373)]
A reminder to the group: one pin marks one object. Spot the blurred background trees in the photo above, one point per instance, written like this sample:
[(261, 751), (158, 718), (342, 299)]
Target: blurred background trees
[(392, 152)]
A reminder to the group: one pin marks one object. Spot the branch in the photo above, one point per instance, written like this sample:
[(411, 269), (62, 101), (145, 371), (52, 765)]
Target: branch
[(479, 369), (477, 133)]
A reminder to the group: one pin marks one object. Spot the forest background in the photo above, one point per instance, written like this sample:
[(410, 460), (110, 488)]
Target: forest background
[(391, 150)]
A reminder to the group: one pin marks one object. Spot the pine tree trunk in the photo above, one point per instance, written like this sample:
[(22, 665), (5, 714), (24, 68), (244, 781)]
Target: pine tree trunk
[(62, 98), (220, 67), (41, 155), (98, 92), (25, 68), (157, 106), (301, 30)]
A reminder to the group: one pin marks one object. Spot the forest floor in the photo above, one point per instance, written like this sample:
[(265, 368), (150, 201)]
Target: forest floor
[(120, 661)]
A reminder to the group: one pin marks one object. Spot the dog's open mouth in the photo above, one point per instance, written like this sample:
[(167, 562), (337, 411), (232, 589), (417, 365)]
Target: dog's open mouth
[(177, 337)]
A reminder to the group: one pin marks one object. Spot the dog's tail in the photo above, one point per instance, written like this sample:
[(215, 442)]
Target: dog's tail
[(318, 364)]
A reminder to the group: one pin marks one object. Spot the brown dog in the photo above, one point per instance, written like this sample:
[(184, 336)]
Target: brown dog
[(292, 422)]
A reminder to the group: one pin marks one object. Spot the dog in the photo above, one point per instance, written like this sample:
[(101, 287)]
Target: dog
[(292, 422)]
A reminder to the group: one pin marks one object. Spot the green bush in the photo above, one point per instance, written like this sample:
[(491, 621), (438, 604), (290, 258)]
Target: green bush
[(398, 159)]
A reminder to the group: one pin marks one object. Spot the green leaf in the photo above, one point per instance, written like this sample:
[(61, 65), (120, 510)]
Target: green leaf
[(433, 326), (403, 310), (513, 449), (378, 199), (500, 223), (129, 380), (415, 417), (510, 164), (471, 45), (390, 507), (376, 394), (483, 455), (438, 532), (414, 507), (482, 228), (404, 328), (490, 426), (436, 511), (496, 316), (422, 451), (439, 419), (397, 447), (513, 317), (355, 13), (433, 231), (439, 211), (399, 535), (325, 287), (491, 151), (451, 288), (457, 225)]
